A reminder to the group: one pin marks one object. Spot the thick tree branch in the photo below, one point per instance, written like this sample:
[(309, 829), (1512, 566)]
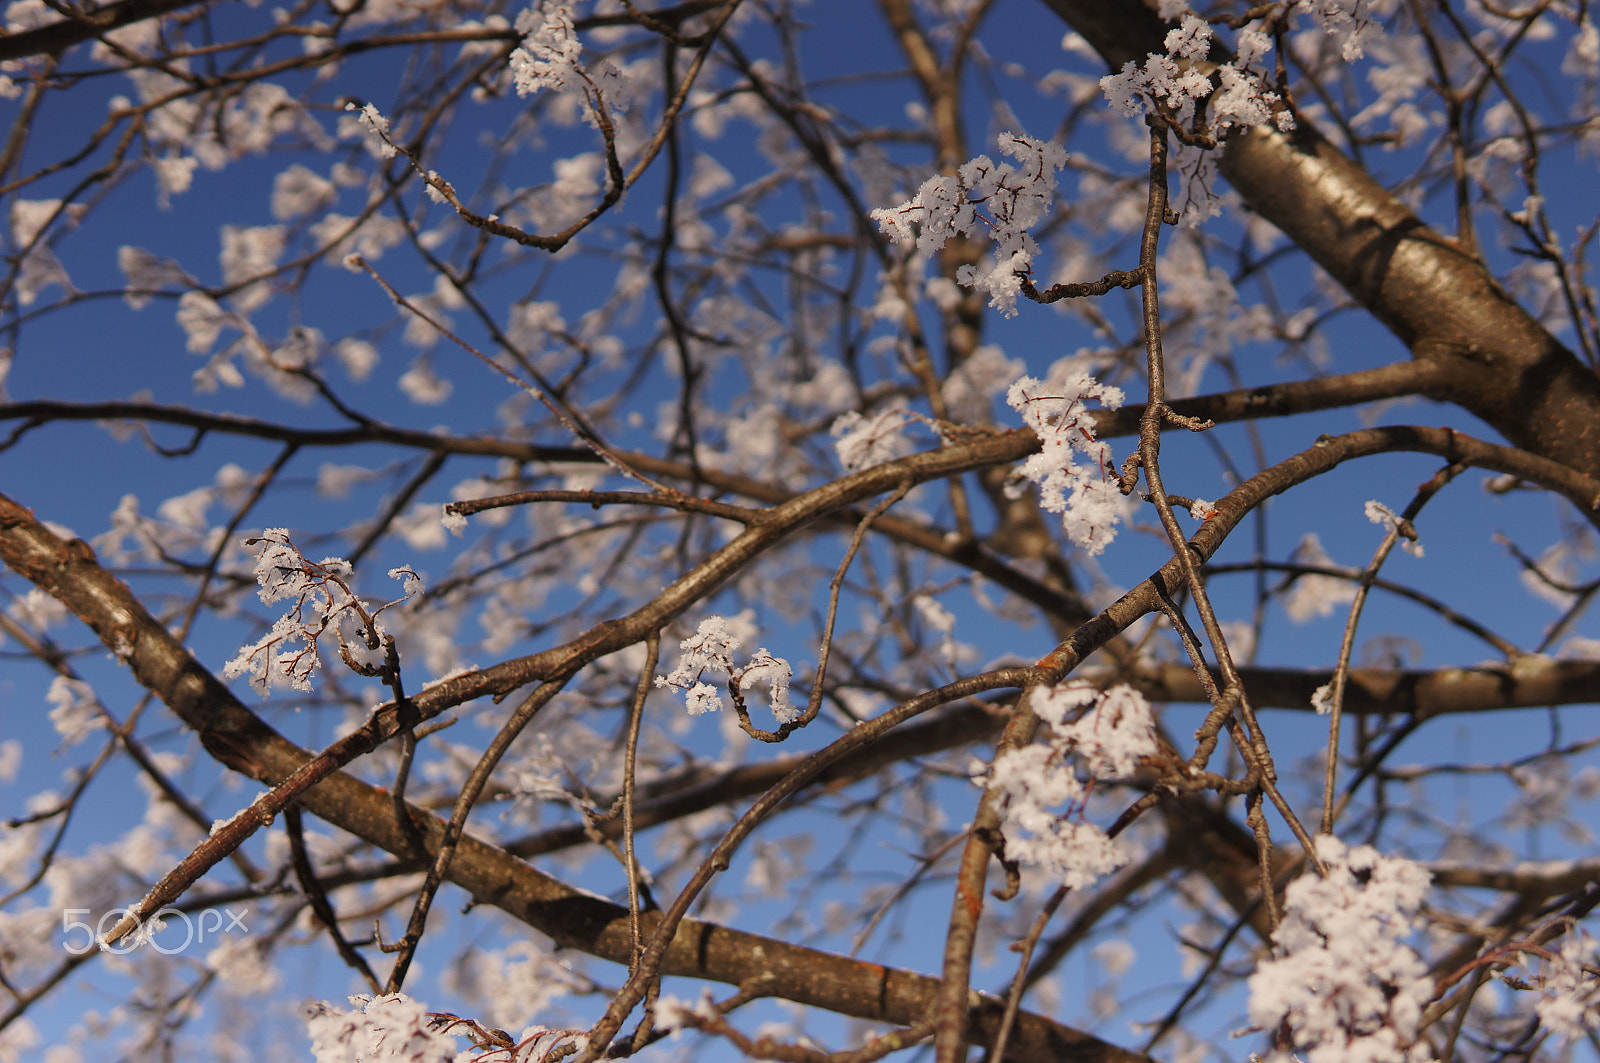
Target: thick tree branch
[(53, 38), (1440, 301), (1242, 404), (240, 740), (573, 918)]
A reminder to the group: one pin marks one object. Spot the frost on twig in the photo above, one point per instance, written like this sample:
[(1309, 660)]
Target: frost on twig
[(709, 651), (395, 1027), (1569, 1001), (287, 655), (1378, 513), (376, 127), (386, 1027), (1351, 23), (548, 55), (1174, 84), (1088, 494), (1344, 985), (548, 58), (1012, 198), (1106, 742), (864, 441), (1201, 106)]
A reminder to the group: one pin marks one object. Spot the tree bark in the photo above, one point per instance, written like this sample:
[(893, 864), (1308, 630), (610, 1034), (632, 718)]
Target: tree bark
[(1438, 299)]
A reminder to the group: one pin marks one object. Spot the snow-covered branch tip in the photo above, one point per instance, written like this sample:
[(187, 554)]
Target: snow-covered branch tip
[(1344, 985), (1378, 513), (1012, 198), (1047, 785), (1087, 495), (288, 655), (709, 651), (396, 1027), (548, 55)]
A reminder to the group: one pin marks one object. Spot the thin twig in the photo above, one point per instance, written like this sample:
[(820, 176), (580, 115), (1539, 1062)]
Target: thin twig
[(465, 800), (317, 897), (587, 436), (652, 652), (1341, 672)]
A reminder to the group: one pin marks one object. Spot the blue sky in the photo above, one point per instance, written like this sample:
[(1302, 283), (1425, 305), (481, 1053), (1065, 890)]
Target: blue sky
[(103, 350)]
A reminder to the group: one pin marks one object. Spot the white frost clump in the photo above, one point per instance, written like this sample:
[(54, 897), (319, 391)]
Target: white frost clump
[(10, 761), (776, 673), (410, 583), (1345, 20), (320, 596), (1378, 513), (299, 191), (376, 128), (514, 983), (548, 55), (1570, 1004), (146, 273), (710, 651), (242, 968), (1088, 496), (280, 569), (323, 602), (39, 267), (1315, 595), (423, 386), (1348, 988), (673, 1014), (1176, 83), (862, 442), (1107, 742), (392, 1027), (1014, 197), (74, 711), (971, 388)]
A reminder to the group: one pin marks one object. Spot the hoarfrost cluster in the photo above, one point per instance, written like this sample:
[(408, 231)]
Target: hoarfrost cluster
[(1014, 198), (287, 655), (394, 1028), (1380, 514), (1315, 594), (1342, 978), (1087, 494), (377, 130), (1176, 83), (1046, 785), (709, 651), (548, 55), (1569, 990), (864, 441)]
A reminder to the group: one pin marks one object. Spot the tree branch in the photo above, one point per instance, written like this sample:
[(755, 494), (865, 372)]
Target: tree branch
[(1439, 300), (573, 918)]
